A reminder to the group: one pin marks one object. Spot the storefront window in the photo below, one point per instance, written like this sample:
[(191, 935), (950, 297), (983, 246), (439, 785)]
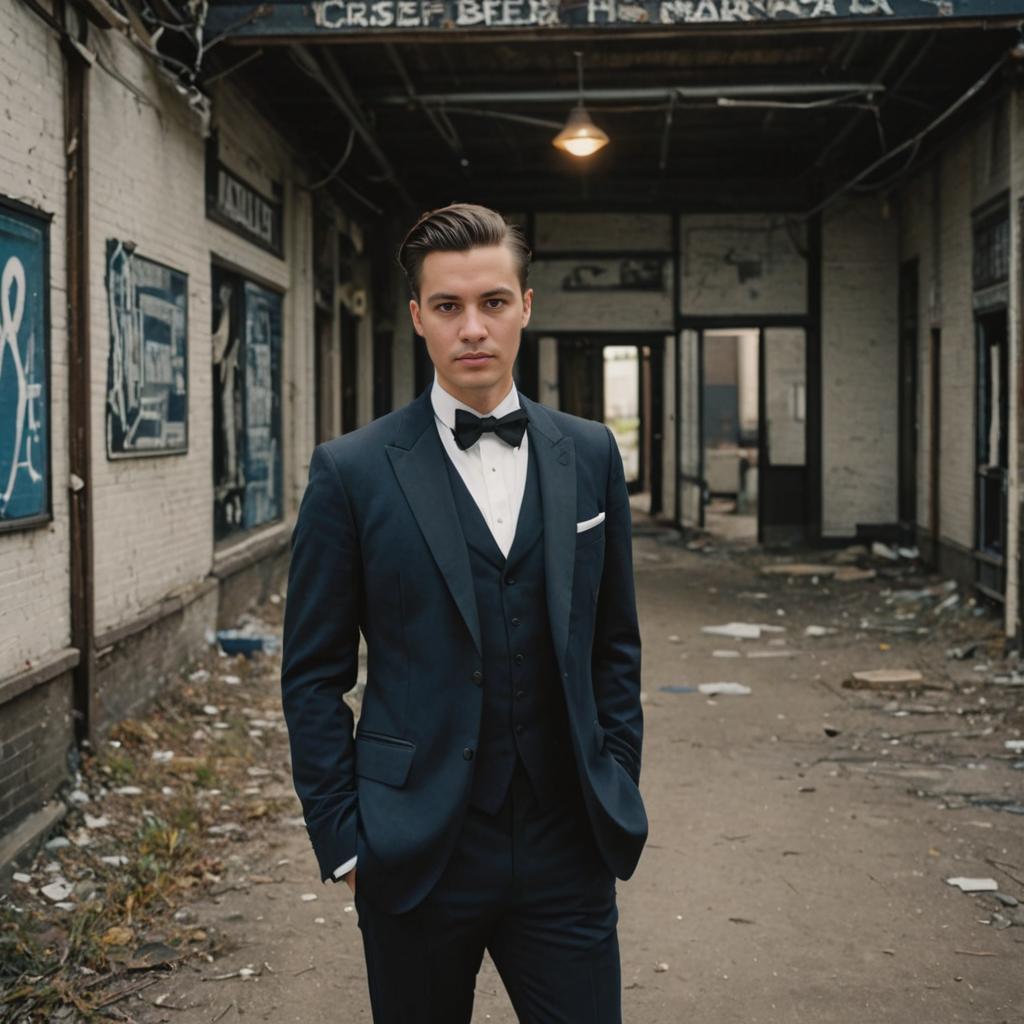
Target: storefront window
[(246, 404)]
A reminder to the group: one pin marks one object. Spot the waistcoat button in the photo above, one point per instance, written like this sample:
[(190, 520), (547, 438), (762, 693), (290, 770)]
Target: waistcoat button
[(519, 659), (468, 753), (478, 677)]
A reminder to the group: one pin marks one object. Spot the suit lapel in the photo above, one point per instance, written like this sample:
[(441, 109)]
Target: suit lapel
[(556, 470), (418, 460)]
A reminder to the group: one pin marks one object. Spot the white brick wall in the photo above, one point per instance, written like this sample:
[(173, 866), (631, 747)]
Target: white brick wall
[(34, 588), (858, 367), (973, 169), (153, 517)]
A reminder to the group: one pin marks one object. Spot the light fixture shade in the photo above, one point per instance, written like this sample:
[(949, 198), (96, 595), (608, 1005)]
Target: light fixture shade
[(580, 136)]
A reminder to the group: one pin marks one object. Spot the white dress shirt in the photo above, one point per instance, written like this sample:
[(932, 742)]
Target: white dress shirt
[(494, 474)]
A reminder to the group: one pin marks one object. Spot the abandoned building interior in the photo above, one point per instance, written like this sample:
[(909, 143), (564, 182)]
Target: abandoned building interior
[(790, 283)]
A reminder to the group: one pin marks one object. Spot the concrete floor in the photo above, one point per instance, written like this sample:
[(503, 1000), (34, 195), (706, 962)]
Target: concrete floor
[(790, 876)]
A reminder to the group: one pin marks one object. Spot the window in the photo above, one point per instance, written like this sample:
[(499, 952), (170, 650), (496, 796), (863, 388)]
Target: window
[(246, 404)]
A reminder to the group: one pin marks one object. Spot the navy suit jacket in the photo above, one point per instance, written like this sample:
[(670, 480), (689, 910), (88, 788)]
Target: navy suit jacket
[(378, 547)]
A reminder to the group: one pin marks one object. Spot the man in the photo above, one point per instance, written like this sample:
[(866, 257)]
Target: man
[(481, 542)]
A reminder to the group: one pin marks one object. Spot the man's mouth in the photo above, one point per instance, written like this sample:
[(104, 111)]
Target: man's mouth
[(474, 357)]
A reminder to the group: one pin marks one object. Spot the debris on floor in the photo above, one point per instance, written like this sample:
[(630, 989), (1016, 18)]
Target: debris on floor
[(742, 630), (724, 689), (973, 884), (884, 679)]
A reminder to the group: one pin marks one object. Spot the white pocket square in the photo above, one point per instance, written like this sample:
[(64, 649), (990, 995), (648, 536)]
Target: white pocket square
[(589, 524)]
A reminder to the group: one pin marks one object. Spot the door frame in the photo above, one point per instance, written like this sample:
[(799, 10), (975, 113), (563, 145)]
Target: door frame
[(812, 423), (653, 340)]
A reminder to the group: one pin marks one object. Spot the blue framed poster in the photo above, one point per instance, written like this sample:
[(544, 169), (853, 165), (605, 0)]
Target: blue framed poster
[(147, 371), (24, 367), (262, 406), (246, 334)]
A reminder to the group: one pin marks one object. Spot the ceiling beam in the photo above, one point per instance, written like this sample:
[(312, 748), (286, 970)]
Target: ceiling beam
[(336, 86), (663, 93)]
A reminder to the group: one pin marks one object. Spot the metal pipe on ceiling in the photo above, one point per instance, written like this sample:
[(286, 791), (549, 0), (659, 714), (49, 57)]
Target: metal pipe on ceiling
[(337, 88), (663, 93)]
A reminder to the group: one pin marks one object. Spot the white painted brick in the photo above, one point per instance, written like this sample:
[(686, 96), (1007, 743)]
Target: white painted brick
[(859, 368), (34, 591), (153, 517)]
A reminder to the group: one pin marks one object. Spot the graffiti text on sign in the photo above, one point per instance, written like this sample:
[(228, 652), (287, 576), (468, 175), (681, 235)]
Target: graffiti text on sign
[(24, 355), (26, 427), (369, 14)]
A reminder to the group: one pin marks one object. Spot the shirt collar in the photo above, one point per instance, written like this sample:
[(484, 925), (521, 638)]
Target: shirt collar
[(445, 404)]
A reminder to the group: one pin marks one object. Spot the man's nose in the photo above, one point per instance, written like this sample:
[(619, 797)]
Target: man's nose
[(472, 326)]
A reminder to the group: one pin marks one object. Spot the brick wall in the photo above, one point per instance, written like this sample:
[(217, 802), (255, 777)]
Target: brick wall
[(858, 367), (935, 213), (34, 589)]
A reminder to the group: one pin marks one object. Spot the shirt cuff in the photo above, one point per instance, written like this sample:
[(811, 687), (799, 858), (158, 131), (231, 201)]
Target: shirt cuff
[(345, 868)]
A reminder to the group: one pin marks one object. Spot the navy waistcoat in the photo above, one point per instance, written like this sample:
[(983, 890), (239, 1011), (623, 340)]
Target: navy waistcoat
[(523, 715)]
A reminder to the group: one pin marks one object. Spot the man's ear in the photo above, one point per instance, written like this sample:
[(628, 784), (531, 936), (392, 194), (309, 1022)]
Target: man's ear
[(414, 312), (527, 305)]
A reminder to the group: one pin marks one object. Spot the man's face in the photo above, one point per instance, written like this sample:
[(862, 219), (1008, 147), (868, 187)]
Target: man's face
[(471, 313)]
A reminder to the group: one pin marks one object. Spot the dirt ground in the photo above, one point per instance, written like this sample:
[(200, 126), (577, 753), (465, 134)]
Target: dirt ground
[(801, 835)]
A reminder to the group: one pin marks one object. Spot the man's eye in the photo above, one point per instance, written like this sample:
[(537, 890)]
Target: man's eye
[(495, 303), (446, 307)]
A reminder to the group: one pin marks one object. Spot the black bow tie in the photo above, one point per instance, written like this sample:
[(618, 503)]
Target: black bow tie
[(469, 427)]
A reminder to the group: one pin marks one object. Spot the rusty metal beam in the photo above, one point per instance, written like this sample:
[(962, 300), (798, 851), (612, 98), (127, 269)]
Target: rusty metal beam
[(79, 482)]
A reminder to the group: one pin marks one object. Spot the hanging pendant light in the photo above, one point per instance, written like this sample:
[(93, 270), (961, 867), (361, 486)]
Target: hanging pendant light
[(580, 136)]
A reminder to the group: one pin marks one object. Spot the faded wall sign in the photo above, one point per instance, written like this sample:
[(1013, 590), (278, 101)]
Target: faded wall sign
[(233, 202), (742, 264), (24, 351), (300, 17), (147, 372)]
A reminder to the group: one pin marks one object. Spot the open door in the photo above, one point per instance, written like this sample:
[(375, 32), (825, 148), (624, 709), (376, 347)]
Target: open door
[(691, 440), (782, 504)]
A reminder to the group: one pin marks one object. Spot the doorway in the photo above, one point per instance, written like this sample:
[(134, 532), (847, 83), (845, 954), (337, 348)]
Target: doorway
[(616, 380), (731, 429), (743, 432), (991, 452)]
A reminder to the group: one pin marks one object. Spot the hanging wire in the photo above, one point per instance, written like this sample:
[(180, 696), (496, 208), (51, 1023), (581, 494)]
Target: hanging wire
[(335, 170), (914, 142)]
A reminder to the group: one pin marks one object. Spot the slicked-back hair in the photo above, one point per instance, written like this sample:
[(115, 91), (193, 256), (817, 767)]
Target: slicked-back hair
[(458, 228)]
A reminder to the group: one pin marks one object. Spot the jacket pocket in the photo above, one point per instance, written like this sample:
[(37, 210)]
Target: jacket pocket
[(382, 758)]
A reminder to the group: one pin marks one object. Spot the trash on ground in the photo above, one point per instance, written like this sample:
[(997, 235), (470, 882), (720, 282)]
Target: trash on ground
[(57, 891), (772, 654), (963, 653), (742, 630), (724, 689), (851, 574), (726, 654), (1017, 746), (676, 688), (820, 631), (236, 641), (797, 569), (1013, 678), (850, 555), (883, 679), (880, 550), (973, 884)]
